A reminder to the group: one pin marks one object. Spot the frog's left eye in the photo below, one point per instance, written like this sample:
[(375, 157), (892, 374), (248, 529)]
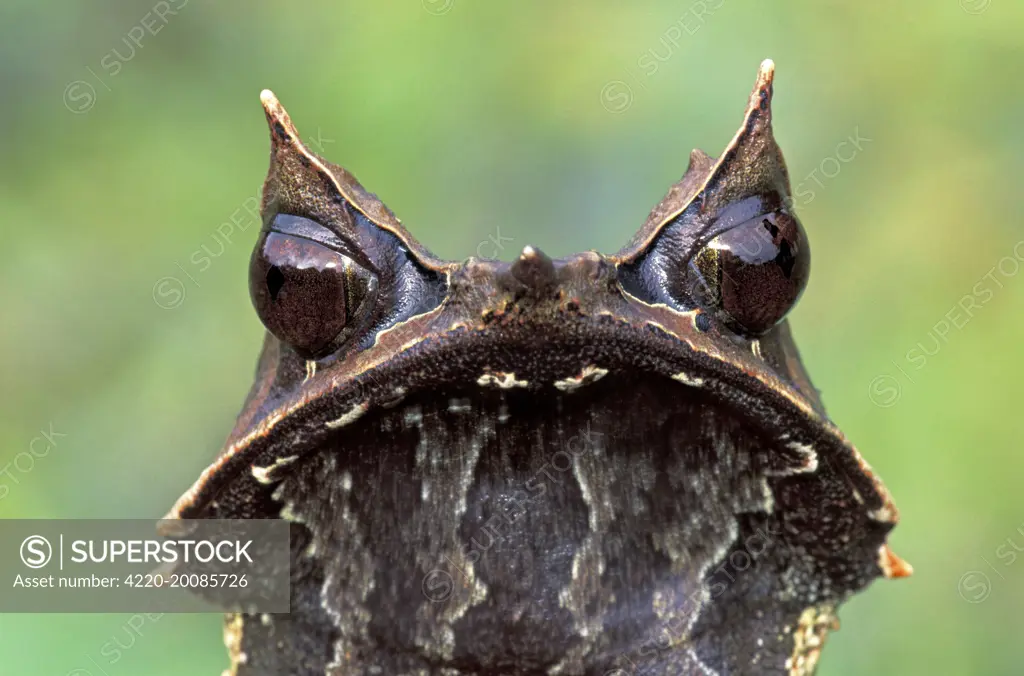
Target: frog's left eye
[(305, 291), (752, 274)]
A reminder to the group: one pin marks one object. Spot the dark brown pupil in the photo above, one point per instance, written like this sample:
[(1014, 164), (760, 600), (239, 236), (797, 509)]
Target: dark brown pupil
[(275, 280)]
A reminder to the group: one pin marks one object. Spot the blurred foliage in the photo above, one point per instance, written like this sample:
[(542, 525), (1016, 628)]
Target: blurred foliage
[(134, 133)]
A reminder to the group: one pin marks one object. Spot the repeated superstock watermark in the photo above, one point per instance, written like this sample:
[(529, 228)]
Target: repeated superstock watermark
[(975, 586), (118, 644), (15, 471), (438, 7), (762, 242), (169, 291), (617, 95), (975, 6), (886, 389), (80, 95), (829, 168)]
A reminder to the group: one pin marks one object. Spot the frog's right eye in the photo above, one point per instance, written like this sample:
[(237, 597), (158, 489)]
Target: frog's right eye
[(305, 290), (752, 274)]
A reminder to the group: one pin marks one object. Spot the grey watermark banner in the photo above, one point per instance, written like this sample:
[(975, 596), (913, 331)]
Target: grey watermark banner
[(141, 566)]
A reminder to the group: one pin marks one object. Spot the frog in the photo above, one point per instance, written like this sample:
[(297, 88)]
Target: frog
[(599, 465)]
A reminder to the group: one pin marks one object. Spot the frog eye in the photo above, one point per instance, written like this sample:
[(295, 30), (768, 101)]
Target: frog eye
[(752, 274), (305, 290)]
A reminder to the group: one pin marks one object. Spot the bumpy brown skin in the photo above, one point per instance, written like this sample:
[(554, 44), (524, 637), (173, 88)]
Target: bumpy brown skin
[(546, 467)]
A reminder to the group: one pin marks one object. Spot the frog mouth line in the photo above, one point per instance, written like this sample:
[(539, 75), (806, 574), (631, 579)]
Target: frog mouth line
[(791, 422)]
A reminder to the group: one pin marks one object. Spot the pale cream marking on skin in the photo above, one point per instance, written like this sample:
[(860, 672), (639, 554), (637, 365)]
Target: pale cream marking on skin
[(350, 417), (441, 641), (414, 416), (769, 497), (884, 514), (583, 596), (893, 567), (459, 406), (421, 449), (433, 311), (288, 510), (810, 457), (310, 371), (687, 379), (262, 474), (466, 478), (505, 381), (682, 314), (755, 348), (351, 619), (664, 328), (346, 481), (288, 513), (663, 608), (588, 376), (411, 344), (233, 624), (809, 638)]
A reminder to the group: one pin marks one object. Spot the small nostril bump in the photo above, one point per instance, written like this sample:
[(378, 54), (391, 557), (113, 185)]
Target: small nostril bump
[(534, 268)]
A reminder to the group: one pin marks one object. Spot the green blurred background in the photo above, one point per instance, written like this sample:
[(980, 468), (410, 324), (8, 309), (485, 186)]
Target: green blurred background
[(129, 139)]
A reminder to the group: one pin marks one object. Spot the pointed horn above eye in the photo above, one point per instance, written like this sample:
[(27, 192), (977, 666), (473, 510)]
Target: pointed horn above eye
[(751, 165), (281, 128), (755, 136), (301, 183), (292, 166), (759, 109)]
